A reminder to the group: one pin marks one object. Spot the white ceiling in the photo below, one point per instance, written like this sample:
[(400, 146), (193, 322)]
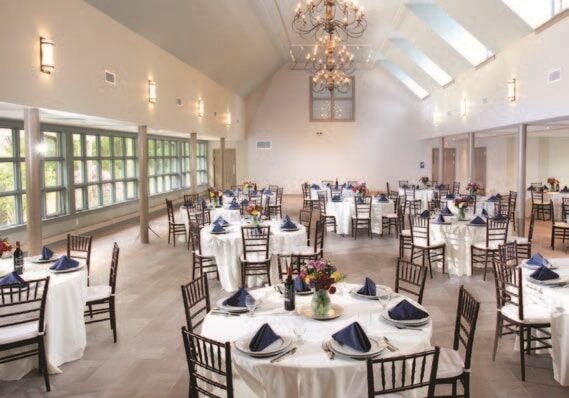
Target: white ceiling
[(240, 43)]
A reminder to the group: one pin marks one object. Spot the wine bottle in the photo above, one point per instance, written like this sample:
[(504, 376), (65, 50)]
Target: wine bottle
[(18, 260), (289, 292)]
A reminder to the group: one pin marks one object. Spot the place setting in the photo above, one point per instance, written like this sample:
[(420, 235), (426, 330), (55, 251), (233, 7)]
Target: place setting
[(266, 343), (405, 315), (353, 342)]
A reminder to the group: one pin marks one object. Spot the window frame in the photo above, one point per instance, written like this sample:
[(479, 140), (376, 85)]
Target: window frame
[(202, 174), (19, 191), (60, 158), (333, 99)]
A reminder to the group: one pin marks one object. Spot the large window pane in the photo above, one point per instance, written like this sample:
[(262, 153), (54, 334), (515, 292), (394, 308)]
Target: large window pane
[(92, 145), (53, 203), (118, 149), (78, 172), (8, 210), (93, 196), (105, 146), (129, 146), (6, 143), (119, 191), (79, 200), (130, 190), (92, 170), (107, 194), (51, 142), (52, 174), (130, 169), (106, 170), (119, 169), (7, 180), (77, 145)]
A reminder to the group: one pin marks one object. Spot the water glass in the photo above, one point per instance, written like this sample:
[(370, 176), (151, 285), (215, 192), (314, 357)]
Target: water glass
[(251, 304), (299, 328)]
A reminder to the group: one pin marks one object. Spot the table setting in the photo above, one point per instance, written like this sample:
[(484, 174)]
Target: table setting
[(343, 208), (65, 338), (423, 194)]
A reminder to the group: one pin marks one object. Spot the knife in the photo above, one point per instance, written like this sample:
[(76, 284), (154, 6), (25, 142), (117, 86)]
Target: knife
[(281, 356)]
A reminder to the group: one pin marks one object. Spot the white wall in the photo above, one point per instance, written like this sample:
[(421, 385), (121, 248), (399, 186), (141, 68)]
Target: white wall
[(381, 145)]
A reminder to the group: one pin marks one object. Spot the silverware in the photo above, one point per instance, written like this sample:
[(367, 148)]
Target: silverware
[(408, 328), (284, 354), (390, 346), (326, 348), (226, 313)]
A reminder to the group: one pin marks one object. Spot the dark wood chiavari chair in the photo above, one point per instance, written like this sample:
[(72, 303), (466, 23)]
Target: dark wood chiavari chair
[(405, 241), (79, 247), (456, 187), (487, 252), (413, 207), (209, 362), (23, 319), (307, 202), (442, 192), (393, 194), (410, 278), (388, 189), (564, 209), (275, 208), (392, 219), (174, 229), (202, 218), (352, 182), (101, 298), (305, 218), (256, 259), (204, 264), (325, 218), (403, 183), (422, 247), (195, 295), (508, 254), (434, 205), (559, 229), (328, 183), (303, 254), (362, 218), (543, 209), (536, 186), (273, 188), (416, 371), (452, 367), (523, 243), (191, 199), (513, 197), (515, 317)]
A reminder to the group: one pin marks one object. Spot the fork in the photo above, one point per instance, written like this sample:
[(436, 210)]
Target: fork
[(327, 349)]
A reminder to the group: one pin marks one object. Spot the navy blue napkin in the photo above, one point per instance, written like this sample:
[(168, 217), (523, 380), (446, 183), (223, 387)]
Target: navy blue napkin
[(425, 214), (405, 311), (565, 189), (450, 196), (64, 263), (315, 186), (349, 186), (217, 228), (288, 224), (228, 192), (445, 211), (544, 274), (300, 285), (368, 288), (353, 336), (498, 196), (12, 279), (46, 253), (492, 198), (440, 219), (237, 299), (484, 212), (530, 188), (336, 198), (244, 202), (234, 205), (221, 221), (264, 337), (500, 217), (382, 198), (537, 259), (478, 221)]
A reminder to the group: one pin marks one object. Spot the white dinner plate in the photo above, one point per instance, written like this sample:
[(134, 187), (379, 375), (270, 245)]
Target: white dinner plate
[(218, 233), (410, 322), (377, 346), (38, 259), (282, 344), (290, 229), (552, 282), (63, 271), (534, 267), (381, 289), (229, 308)]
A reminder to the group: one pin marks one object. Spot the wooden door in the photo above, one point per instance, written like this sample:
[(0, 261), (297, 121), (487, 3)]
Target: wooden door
[(479, 171), (449, 166), (230, 168), (435, 166)]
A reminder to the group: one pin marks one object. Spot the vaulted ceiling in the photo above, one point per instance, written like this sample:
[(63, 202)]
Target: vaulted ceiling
[(240, 43)]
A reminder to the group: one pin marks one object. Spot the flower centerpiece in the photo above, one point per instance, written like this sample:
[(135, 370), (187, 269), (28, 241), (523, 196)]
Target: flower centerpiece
[(553, 183), (425, 181), (473, 188), (248, 185), (359, 189), (5, 246), (254, 210), (461, 204), (320, 275), (214, 197)]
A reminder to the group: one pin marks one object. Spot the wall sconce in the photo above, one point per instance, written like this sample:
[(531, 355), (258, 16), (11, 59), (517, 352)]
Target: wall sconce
[(200, 108), (464, 107), (228, 119), (512, 90), (152, 91), (437, 117), (47, 62)]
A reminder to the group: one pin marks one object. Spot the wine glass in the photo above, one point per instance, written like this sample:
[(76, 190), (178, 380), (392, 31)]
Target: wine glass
[(251, 304), (299, 328)]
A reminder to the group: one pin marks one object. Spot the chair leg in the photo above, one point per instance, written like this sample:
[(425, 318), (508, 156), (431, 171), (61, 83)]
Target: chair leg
[(269, 273), (497, 335), (90, 311), (522, 352), (453, 389), (43, 363), (485, 264), (466, 384), (113, 317)]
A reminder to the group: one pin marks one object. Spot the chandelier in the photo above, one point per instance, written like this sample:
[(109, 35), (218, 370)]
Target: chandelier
[(330, 63), (320, 17)]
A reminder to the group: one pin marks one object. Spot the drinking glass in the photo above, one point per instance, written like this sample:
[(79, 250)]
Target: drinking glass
[(251, 304), (299, 328)]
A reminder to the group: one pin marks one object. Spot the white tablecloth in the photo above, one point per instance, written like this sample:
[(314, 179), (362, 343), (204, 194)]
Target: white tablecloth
[(65, 325), (225, 212), (425, 195), (309, 372), (227, 249), (346, 193), (481, 203), (557, 300), (557, 199), (343, 211)]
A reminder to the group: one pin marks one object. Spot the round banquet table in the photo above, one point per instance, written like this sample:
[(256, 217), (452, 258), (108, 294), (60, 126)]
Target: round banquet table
[(425, 195), (557, 199), (344, 210), (227, 249), (310, 372), (556, 299), (228, 214), (458, 236), (65, 338), (481, 203)]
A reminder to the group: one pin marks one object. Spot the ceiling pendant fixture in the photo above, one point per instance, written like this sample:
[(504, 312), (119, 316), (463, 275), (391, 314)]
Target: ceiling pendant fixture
[(325, 17), (330, 63)]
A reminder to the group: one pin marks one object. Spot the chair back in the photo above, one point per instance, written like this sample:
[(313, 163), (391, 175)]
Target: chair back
[(322, 200), (564, 209), (536, 185), (279, 197), (23, 303), (273, 188), (209, 362), (190, 200), (195, 295), (363, 206), (531, 226), (409, 193), (202, 218), (509, 286), (388, 191), (306, 193), (414, 206), (508, 254), (195, 242), (496, 231), (465, 324), (410, 278), (305, 218), (319, 238), (255, 241), (403, 373), (420, 233), (79, 247), (434, 205), (403, 183), (114, 268), (456, 187), (537, 196)]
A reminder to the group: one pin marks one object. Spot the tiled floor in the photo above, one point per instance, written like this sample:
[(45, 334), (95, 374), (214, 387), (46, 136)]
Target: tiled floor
[(148, 360)]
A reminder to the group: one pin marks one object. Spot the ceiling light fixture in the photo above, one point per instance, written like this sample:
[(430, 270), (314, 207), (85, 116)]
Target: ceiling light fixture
[(464, 107), (47, 62), (330, 63), (200, 108), (512, 89), (152, 91)]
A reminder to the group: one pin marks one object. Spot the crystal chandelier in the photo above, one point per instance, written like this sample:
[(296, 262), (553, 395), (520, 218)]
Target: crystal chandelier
[(325, 17), (330, 63)]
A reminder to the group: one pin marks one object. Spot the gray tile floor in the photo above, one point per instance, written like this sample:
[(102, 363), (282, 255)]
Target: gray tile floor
[(148, 360)]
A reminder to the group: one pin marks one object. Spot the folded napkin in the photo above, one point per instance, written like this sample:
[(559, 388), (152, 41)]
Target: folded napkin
[(217, 228), (64, 263), (544, 274), (336, 198), (237, 299), (498, 196), (500, 217), (350, 186), (221, 221), (565, 189), (445, 211), (368, 288), (12, 279), (360, 200), (267, 191), (46, 253), (300, 285), (228, 192), (492, 198), (440, 219), (450, 196), (244, 202), (538, 259), (382, 198), (353, 336), (405, 311), (478, 221), (315, 186), (264, 337), (425, 214), (254, 192), (484, 212), (288, 224), (234, 205)]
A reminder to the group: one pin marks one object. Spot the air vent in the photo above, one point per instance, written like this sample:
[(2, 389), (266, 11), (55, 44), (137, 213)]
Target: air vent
[(554, 75), (264, 144), (179, 101), (111, 78)]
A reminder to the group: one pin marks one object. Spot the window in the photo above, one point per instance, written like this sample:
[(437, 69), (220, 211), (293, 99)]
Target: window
[(163, 168), (201, 163), (332, 106), (104, 169), (405, 79), (53, 175), (537, 12), (186, 175), (12, 177)]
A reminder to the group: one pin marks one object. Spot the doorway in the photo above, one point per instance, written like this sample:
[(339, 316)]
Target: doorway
[(479, 172), (449, 166), (230, 168)]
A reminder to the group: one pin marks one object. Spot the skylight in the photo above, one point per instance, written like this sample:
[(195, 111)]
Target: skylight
[(537, 12), (404, 78), (451, 31), (422, 60)]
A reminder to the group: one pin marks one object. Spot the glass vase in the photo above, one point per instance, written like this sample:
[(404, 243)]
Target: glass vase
[(320, 303), (461, 214), (255, 221)]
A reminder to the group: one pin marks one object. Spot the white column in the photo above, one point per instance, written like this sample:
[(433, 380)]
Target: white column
[(222, 163), (194, 161), (521, 204), (32, 131), (441, 156), (142, 156), (471, 146)]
